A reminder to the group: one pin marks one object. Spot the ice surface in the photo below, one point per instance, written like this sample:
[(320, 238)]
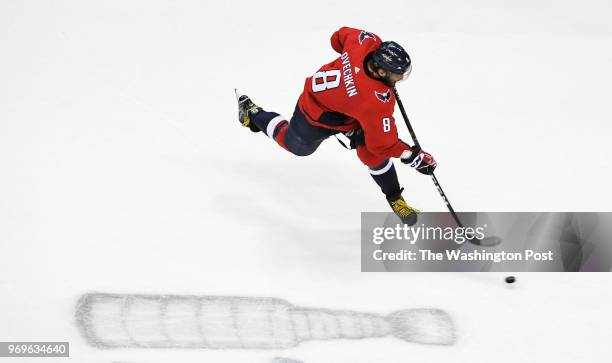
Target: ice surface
[(124, 168)]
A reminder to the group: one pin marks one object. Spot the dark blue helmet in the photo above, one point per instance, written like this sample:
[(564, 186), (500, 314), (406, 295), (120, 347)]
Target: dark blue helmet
[(391, 57)]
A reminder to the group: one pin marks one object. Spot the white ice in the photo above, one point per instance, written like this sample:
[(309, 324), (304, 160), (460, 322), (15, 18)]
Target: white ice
[(124, 169)]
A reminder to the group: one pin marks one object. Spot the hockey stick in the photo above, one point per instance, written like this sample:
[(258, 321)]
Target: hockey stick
[(487, 241)]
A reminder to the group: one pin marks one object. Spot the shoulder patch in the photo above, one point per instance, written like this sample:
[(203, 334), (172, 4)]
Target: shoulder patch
[(365, 35), (383, 97)]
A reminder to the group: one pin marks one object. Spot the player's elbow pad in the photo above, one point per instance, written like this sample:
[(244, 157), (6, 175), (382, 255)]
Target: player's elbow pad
[(335, 42)]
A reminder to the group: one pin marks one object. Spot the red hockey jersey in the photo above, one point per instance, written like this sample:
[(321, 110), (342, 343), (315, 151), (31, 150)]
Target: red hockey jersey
[(341, 96)]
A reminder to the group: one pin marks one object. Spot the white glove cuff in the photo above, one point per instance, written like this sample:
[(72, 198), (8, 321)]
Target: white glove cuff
[(406, 154)]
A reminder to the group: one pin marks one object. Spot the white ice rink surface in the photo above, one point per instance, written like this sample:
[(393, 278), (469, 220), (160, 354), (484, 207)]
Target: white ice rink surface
[(123, 168)]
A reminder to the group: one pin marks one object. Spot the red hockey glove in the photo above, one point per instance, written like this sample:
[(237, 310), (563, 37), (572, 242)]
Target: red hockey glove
[(418, 159)]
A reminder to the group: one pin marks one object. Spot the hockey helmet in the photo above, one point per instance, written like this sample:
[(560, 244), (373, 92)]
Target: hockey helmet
[(391, 57)]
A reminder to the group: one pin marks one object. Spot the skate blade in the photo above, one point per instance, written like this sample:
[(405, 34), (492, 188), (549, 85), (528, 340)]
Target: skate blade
[(238, 94)]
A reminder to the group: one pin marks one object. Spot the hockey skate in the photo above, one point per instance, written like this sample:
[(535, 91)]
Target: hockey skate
[(403, 210), (246, 110)]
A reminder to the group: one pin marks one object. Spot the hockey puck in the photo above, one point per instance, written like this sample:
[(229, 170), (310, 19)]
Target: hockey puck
[(510, 279)]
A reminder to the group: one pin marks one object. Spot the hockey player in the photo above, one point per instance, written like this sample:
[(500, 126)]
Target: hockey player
[(352, 95)]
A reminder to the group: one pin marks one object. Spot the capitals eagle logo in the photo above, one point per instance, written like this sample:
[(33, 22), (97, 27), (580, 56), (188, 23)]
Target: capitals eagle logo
[(383, 97), (365, 35)]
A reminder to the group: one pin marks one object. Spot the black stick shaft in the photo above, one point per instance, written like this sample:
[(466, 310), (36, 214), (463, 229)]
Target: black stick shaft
[(406, 120), (433, 177), (446, 201)]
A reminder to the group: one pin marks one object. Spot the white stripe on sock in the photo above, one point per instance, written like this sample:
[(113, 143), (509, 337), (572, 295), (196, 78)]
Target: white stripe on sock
[(272, 125), (383, 170)]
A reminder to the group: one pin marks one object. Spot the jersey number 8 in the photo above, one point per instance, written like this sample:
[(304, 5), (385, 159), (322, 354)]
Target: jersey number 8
[(386, 124), (325, 80)]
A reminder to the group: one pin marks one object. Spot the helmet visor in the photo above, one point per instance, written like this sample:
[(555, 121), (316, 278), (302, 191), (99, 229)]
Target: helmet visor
[(406, 73)]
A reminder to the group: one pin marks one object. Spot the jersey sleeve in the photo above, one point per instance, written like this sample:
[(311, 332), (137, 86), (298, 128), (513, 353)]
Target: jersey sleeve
[(344, 35), (381, 136)]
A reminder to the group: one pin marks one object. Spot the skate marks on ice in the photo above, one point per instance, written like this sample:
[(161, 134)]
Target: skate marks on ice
[(218, 322)]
